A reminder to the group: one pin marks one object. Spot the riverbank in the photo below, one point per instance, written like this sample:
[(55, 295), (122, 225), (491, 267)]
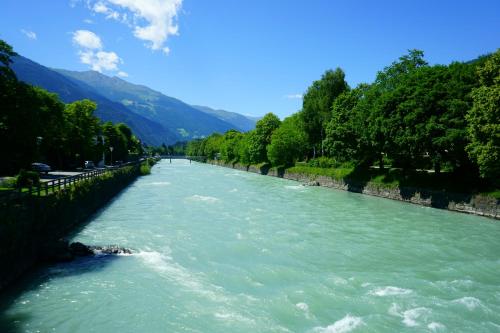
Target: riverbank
[(464, 203), (31, 225)]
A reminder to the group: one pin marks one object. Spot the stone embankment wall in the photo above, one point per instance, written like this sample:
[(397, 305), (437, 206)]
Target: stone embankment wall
[(464, 203), (30, 224)]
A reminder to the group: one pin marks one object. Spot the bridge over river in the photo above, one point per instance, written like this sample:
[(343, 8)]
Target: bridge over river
[(183, 157)]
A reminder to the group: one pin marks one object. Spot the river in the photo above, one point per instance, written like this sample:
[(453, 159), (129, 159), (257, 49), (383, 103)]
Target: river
[(221, 250)]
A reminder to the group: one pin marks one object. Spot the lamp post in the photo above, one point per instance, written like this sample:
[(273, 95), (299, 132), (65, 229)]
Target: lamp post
[(111, 150), (102, 163), (39, 140)]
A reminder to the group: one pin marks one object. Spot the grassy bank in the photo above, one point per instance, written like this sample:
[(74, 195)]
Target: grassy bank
[(395, 178)]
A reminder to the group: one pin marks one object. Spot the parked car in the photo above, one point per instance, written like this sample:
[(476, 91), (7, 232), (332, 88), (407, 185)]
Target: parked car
[(89, 165), (40, 167)]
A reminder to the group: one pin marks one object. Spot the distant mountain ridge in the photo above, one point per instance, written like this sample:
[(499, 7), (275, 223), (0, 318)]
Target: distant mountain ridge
[(242, 122), (183, 119), (154, 117), (30, 72)]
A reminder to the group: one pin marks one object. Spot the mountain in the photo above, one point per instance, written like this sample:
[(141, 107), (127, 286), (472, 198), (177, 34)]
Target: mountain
[(241, 122), (178, 117), (146, 130)]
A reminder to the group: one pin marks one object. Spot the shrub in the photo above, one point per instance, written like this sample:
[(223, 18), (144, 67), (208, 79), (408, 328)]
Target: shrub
[(27, 178), (145, 169), (323, 162)]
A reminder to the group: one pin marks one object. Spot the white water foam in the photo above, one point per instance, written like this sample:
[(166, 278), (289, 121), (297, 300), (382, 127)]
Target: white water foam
[(167, 268), (203, 198), (233, 190), (344, 325), (411, 316), (295, 187), (390, 291), (232, 317), (159, 183), (302, 306), (470, 302), (435, 327)]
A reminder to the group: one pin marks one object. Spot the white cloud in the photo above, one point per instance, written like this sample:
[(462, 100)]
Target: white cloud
[(87, 39), (122, 74), (153, 20), (88, 21), (91, 52), (294, 96), (100, 7), (100, 60), (29, 34)]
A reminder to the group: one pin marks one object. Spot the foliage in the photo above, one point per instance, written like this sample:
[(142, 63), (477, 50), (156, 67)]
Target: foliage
[(317, 103), (413, 117), (288, 142), (36, 126), (145, 168), (229, 147), (27, 178), (258, 141), (484, 120)]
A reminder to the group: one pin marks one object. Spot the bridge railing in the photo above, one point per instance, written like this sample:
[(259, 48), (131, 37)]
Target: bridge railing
[(184, 157)]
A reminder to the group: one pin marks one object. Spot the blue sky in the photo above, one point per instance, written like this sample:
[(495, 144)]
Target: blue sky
[(250, 57)]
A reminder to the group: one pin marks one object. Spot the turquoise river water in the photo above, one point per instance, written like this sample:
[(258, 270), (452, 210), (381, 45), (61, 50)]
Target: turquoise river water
[(220, 250)]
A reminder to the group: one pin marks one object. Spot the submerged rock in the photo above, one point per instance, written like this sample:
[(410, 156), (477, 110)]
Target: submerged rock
[(80, 249), (61, 250)]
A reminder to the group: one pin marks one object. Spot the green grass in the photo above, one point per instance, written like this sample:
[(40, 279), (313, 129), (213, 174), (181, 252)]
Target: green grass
[(494, 194), (393, 178), (337, 174)]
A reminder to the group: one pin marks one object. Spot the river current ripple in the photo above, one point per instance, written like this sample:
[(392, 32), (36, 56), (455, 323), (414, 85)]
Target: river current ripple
[(220, 250)]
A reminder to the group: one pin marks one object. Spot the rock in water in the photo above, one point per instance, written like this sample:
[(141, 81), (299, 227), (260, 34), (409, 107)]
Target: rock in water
[(112, 249), (79, 249)]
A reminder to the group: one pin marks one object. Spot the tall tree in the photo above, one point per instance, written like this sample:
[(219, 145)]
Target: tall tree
[(381, 104), (484, 120), (83, 129), (288, 142), (317, 103), (343, 131), (258, 140)]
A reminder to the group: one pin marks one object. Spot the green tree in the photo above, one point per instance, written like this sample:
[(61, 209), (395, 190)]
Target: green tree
[(317, 103), (261, 137), (229, 146), (484, 120), (213, 145), (343, 132), (380, 107), (82, 131), (288, 142)]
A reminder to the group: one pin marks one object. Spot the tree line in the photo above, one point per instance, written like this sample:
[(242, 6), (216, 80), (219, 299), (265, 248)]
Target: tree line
[(35, 126), (413, 116)]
